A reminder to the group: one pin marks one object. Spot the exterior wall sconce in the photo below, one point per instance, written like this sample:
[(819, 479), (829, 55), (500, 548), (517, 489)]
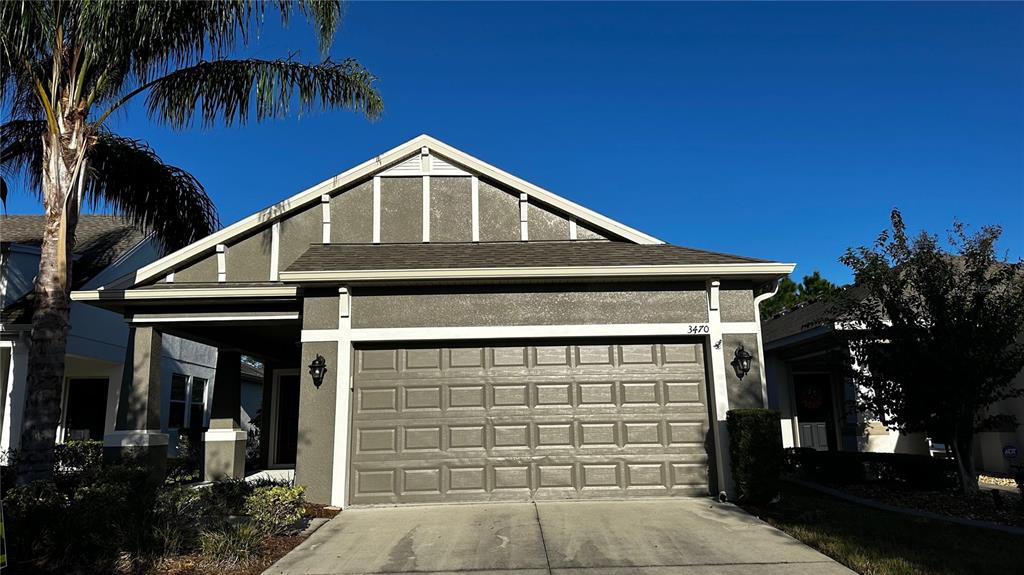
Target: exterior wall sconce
[(317, 369), (741, 362)]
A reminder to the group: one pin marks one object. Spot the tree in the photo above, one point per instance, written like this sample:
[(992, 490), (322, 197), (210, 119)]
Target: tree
[(938, 336), (792, 294), (67, 66)]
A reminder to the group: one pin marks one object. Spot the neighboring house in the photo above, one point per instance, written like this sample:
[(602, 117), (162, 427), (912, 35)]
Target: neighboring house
[(476, 338), (807, 358), (106, 248)]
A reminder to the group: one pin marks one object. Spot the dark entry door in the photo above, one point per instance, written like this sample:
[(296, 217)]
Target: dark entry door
[(287, 424), (86, 409), (814, 410)]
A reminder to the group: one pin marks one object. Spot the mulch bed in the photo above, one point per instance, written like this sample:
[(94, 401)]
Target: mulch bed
[(273, 549), (982, 506)]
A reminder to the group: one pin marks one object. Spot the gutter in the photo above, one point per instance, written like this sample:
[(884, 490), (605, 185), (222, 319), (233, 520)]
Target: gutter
[(749, 270), (760, 337)]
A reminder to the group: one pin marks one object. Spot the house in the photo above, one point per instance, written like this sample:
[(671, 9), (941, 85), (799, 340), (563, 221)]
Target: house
[(807, 358), (106, 249), (435, 329)]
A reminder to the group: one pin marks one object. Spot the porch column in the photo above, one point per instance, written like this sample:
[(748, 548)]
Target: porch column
[(225, 441), (137, 431)]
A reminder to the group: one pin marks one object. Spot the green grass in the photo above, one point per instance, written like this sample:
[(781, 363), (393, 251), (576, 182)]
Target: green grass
[(874, 542)]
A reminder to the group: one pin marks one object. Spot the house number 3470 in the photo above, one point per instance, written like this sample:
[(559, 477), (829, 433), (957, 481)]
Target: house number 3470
[(698, 329)]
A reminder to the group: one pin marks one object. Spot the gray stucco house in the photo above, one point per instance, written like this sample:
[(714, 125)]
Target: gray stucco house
[(484, 339)]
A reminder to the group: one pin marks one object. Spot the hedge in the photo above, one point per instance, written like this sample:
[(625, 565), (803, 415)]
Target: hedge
[(755, 447), (922, 472)]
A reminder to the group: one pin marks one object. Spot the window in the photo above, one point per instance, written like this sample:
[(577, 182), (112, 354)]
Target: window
[(188, 402)]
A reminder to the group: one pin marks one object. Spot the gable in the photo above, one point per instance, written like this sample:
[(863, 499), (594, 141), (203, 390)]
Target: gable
[(421, 192)]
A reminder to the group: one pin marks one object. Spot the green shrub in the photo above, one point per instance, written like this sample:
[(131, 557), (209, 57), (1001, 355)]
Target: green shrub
[(77, 455), (911, 471), (226, 497), (755, 446), (185, 467), (80, 522), (274, 508), (231, 544), (178, 516)]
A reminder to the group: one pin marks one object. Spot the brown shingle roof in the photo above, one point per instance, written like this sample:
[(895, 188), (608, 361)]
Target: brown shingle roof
[(502, 255), (99, 241)]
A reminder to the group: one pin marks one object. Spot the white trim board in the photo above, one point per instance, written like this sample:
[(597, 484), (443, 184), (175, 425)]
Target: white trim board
[(507, 332), (145, 318), (185, 293), (691, 270), (373, 167)]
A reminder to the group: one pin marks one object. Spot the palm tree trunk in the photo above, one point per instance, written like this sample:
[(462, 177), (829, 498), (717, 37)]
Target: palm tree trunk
[(50, 321)]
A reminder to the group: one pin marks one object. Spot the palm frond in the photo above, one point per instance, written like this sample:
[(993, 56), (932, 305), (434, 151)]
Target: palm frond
[(21, 153), (129, 177), (324, 15), (221, 91)]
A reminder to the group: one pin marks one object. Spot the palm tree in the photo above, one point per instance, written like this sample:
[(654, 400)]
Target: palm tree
[(68, 65)]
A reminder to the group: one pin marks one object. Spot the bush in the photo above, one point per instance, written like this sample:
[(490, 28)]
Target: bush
[(917, 472), (178, 515), (77, 455), (80, 522), (185, 467), (274, 508), (231, 544), (226, 497), (755, 447)]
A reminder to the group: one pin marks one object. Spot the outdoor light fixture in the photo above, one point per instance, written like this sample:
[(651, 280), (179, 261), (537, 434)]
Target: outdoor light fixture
[(741, 362), (317, 369)]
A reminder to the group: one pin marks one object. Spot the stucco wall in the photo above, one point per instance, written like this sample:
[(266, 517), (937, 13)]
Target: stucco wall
[(746, 392), (352, 215), (539, 305), (401, 210), (315, 455)]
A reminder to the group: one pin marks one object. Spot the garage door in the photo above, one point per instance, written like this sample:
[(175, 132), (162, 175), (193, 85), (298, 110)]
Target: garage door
[(522, 422)]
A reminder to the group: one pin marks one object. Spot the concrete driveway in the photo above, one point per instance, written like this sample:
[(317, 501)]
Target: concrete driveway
[(648, 537)]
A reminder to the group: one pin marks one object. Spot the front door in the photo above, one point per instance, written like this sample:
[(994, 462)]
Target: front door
[(287, 419), (814, 410)]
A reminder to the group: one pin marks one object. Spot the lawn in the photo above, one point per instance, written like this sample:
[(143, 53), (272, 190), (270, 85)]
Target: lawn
[(875, 542)]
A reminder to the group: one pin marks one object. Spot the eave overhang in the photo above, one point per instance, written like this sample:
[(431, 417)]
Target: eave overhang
[(751, 271)]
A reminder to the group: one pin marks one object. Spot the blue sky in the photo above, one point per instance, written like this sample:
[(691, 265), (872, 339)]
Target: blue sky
[(784, 131)]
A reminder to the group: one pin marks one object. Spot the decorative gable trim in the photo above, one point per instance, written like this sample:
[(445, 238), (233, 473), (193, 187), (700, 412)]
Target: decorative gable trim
[(432, 157)]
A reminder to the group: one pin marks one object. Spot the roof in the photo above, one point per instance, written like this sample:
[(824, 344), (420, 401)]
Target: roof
[(249, 371), (795, 321), (100, 240), (510, 259), (376, 165), (812, 315)]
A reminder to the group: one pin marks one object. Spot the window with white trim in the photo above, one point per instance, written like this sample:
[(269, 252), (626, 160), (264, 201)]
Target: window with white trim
[(188, 402)]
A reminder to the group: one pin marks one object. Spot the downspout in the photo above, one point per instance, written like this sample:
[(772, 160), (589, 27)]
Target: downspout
[(760, 339)]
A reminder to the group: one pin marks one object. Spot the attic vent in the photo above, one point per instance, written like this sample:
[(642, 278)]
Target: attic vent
[(410, 167), (414, 166), (439, 167)]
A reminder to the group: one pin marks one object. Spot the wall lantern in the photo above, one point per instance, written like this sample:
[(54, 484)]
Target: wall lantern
[(741, 362), (317, 369)]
